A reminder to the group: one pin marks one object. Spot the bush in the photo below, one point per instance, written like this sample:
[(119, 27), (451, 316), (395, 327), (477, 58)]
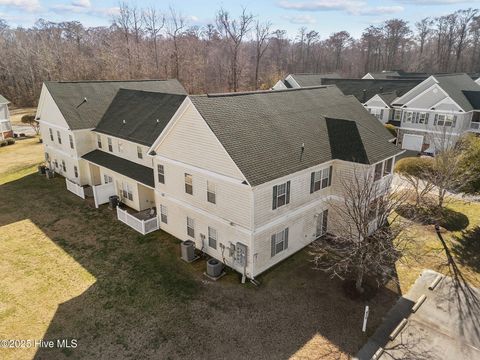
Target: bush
[(3, 143), (413, 166), (10, 141), (392, 129)]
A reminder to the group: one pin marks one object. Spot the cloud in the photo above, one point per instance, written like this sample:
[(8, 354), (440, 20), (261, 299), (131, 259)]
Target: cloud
[(28, 5), (436, 2), (353, 7), (300, 19), (84, 7), (81, 3)]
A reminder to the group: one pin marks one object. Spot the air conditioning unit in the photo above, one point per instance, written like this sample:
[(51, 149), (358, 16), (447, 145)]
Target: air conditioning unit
[(188, 251), (214, 268)]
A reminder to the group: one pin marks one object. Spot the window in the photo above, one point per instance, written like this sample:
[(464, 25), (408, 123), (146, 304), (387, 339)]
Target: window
[(190, 227), (322, 221), (120, 146), (163, 214), (47, 156), (397, 116), (139, 152), (51, 134), (378, 172), (188, 184), (408, 116), (387, 169), (56, 163), (107, 179), (161, 174), (127, 191), (75, 171), (211, 196), (59, 137), (64, 168), (110, 146), (378, 113), (281, 195), (99, 141), (279, 242), (320, 179), (212, 237), (445, 120), (70, 138), (421, 118)]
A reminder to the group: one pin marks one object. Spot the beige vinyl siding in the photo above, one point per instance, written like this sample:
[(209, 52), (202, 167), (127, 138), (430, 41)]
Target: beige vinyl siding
[(233, 200), (129, 148), (191, 141)]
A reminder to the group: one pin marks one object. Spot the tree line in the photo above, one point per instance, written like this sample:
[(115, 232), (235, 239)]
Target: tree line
[(233, 53)]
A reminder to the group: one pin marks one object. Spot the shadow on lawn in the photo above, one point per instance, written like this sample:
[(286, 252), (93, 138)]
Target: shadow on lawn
[(447, 218), (466, 248), (146, 303)]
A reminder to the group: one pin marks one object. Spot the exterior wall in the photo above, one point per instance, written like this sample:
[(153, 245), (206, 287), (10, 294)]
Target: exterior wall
[(227, 234), (129, 148), (191, 136), (4, 113), (417, 90), (462, 123)]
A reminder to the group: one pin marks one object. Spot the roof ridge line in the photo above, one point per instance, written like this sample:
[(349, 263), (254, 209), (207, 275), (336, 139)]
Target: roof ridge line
[(253, 92)]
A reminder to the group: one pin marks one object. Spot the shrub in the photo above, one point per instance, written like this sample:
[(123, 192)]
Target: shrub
[(392, 129), (10, 141), (3, 143)]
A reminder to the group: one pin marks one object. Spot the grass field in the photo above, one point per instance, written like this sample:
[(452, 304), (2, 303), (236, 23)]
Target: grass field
[(72, 271), (17, 113), (20, 159)]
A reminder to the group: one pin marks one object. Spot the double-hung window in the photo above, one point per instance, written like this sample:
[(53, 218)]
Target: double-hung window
[(397, 116), (445, 120), (422, 118), (51, 134), (70, 138), (120, 146), (110, 145), (378, 172), (64, 167), (139, 152), (161, 174), (75, 171), (188, 184), (127, 191), (59, 137), (320, 179), (211, 195), (407, 117), (212, 237), (107, 179), (387, 169), (163, 214), (281, 195), (190, 227), (279, 242), (99, 141)]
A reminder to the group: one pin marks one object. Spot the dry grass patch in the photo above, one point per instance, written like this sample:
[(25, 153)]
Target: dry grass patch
[(20, 159), (16, 114)]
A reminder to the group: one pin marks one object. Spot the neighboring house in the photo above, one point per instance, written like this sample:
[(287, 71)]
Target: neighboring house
[(395, 74), (376, 95), (293, 81), (5, 125), (68, 111), (249, 177), (439, 109), (478, 81)]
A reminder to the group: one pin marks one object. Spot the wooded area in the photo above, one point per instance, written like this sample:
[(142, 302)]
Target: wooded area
[(232, 54)]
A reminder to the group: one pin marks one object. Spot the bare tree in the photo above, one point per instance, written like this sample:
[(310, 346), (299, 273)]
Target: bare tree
[(123, 21), (176, 26), (154, 23), (234, 31), (262, 32), (464, 19), (369, 234)]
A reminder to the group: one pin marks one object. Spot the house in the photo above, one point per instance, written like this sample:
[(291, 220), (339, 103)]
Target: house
[(478, 81), (249, 177), (68, 111), (293, 81), (376, 94), (5, 125), (437, 319), (439, 109)]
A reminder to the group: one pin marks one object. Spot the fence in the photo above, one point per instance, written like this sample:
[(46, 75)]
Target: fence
[(142, 226), (74, 188), (102, 193)]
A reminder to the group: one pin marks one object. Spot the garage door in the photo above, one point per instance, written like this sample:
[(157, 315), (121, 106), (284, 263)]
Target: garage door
[(412, 142)]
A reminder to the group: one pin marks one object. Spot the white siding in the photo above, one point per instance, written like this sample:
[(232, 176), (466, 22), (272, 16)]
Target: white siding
[(129, 149), (192, 142)]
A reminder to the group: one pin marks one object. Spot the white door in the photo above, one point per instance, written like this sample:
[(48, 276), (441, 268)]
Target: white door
[(412, 142)]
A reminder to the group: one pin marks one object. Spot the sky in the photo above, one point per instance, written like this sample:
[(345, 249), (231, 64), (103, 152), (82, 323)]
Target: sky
[(324, 16)]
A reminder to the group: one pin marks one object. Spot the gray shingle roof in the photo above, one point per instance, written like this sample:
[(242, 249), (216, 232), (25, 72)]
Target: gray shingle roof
[(365, 89), (140, 173), (455, 85), (3, 100), (305, 80), (139, 116), (263, 132), (69, 97)]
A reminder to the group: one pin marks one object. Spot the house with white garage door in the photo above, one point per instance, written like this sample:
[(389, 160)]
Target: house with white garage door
[(439, 109)]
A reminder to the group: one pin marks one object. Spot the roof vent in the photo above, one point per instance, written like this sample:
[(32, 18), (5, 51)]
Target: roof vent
[(124, 121), (152, 153), (303, 149), (158, 121), (84, 99)]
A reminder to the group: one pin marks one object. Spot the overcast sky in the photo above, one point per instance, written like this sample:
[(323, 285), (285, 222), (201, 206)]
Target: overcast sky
[(324, 16)]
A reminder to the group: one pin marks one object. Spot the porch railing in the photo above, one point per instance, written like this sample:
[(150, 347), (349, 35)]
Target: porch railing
[(75, 188), (142, 226), (475, 126)]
